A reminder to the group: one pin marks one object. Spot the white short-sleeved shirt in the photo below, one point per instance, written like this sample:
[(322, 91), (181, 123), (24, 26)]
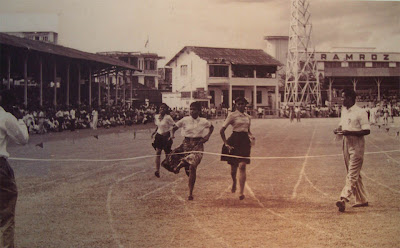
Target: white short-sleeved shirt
[(354, 119), (11, 128), (164, 125), (193, 128), (240, 121)]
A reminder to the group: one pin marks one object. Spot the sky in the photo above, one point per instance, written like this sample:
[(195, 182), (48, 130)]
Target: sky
[(169, 25)]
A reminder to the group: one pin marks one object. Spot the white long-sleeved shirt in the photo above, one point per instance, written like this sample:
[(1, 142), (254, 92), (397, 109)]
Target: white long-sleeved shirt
[(11, 128)]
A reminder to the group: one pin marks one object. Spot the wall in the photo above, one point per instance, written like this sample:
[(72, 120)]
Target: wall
[(196, 73)]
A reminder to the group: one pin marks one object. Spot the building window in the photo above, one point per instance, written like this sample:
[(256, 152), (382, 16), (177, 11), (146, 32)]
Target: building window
[(356, 64), (333, 64), (45, 38), (345, 64), (150, 65), (219, 71), (185, 94), (237, 93), (265, 71), (149, 82), (380, 64), (392, 64), (183, 70), (243, 71)]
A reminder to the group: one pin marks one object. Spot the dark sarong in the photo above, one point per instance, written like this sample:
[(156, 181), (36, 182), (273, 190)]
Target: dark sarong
[(190, 145), (241, 147)]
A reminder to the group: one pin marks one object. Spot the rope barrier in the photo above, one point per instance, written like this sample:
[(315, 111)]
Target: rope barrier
[(209, 153)]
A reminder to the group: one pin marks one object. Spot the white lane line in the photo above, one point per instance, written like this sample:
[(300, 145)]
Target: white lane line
[(298, 223), (205, 230), (313, 186), (384, 152), (108, 206), (377, 182), (294, 194), (158, 189), (64, 178), (381, 184)]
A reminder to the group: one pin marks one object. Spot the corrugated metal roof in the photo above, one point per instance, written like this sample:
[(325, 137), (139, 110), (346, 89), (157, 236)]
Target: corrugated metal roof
[(49, 48), (231, 55)]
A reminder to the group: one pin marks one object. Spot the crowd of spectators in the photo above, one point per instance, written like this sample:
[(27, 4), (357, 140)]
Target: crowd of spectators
[(42, 120)]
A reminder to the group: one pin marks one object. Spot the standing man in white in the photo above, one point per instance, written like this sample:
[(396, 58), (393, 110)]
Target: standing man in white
[(353, 126), (15, 130), (95, 118)]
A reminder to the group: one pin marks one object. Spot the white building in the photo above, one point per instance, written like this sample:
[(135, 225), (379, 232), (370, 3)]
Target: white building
[(216, 76)]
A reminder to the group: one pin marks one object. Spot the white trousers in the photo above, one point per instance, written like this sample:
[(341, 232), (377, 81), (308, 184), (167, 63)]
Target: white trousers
[(353, 152)]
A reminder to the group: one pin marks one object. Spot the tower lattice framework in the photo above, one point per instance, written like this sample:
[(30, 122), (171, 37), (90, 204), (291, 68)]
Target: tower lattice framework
[(302, 82)]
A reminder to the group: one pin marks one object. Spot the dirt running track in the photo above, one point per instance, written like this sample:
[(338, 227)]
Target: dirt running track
[(98, 199)]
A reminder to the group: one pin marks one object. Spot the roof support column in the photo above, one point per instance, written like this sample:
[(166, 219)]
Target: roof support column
[(79, 84), (354, 81), (108, 83), (26, 80), (230, 96), (131, 88), (99, 93), (277, 100), (124, 89), (90, 86), (67, 100), (8, 71), (116, 86), (255, 97), (55, 83), (378, 82), (330, 90), (41, 80)]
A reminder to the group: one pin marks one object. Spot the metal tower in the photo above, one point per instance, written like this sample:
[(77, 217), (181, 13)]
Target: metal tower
[(301, 82)]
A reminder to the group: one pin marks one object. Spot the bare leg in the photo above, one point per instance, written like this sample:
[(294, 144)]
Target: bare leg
[(158, 153), (233, 174), (242, 178), (192, 180)]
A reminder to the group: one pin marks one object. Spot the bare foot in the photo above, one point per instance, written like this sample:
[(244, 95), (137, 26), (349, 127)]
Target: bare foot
[(233, 188)]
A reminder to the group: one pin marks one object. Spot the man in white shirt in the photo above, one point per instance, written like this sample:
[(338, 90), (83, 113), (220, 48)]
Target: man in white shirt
[(16, 130), (353, 126)]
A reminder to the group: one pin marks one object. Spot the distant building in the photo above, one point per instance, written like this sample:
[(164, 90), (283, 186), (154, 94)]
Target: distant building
[(165, 79), (145, 62), (144, 81), (50, 37), (374, 75), (216, 76)]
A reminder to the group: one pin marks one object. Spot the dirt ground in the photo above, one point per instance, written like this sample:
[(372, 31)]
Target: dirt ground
[(85, 191)]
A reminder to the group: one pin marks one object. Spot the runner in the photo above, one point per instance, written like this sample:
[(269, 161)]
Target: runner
[(193, 129), (162, 141), (238, 144)]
